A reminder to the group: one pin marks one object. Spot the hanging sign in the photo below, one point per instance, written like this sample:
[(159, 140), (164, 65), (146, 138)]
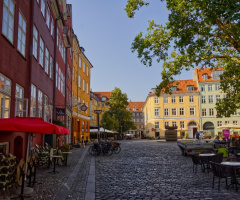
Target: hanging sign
[(60, 111), (84, 107)]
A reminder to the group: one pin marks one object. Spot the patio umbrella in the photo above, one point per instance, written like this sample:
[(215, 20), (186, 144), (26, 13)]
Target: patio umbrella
[(30, 125)]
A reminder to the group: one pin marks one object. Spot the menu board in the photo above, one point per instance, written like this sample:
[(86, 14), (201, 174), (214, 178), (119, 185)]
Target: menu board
[(226, 133)]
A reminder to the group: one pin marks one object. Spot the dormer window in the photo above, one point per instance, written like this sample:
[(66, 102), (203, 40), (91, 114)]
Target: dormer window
[(205, 77), (190, 87), (104, 98), (216, 74), (174, 88), (134, 109)]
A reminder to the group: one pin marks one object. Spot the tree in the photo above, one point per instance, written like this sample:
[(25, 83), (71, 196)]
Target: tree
[(203, 33), (117, 116)]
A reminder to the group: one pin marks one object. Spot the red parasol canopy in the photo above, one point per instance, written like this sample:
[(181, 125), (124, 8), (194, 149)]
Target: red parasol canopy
[(31, 124)]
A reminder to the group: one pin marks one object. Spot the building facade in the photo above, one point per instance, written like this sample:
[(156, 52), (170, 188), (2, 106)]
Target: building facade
[(209, 94), (80, 93), (136, 108), (180, 109)]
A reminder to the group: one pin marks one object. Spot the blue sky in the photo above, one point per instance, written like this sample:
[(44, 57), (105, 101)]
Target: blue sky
[(106, 33)]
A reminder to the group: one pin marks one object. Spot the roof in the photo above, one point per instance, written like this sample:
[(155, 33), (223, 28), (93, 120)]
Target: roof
[(99, 95), (200, 72), (137, 105)]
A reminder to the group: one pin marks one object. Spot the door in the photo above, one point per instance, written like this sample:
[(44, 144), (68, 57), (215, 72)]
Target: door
[(18, 147)]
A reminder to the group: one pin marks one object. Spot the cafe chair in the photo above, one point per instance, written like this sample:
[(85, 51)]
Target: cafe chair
[(233, 160), (196, 161)]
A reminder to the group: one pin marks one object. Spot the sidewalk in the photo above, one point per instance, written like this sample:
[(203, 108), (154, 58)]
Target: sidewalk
[(69, 183)]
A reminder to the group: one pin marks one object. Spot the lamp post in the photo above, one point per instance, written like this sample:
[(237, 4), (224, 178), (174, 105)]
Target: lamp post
[(98, 112), (104, 123)]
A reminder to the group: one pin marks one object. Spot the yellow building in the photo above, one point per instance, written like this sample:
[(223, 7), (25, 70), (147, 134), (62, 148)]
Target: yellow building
[(80, 94), (180, 109), (98, 102)]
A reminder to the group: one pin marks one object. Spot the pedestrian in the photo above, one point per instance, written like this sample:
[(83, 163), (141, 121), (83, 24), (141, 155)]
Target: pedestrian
[(217, 139), (197, 135)]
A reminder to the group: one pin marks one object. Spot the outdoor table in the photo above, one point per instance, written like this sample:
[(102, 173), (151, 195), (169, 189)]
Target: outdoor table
[(66, 156), (233, 165), (54, 163), (207, 158)]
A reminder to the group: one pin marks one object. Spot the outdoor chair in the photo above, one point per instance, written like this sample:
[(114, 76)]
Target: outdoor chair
[(196, 161), (206, 151), (229, 172), (218, 158)]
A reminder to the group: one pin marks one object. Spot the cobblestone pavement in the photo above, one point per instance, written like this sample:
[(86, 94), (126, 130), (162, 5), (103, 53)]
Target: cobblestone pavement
[(150, 169), (144, 169)]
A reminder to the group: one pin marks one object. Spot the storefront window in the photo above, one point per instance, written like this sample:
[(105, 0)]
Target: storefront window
[(33, 101), (19, 101), (5, 96)]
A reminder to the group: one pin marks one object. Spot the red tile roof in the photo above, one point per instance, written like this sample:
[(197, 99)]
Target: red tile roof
[(137, 105), (102, 94), (208, 71)]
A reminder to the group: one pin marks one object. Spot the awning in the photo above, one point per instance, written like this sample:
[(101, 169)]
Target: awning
[(95, 130), (229, 126)]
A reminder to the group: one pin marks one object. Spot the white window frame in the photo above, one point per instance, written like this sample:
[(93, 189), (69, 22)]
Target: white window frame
[(166, 100), (35, 42), (191, 99), (83, 85), (33, 101), (217, 86), (181, 112), (5, 94), (48, 17), (51, 67), (8, 20), (166, 111), (166, 123), (43, 5), (84, 67), (174, 123), (181, 99), (209, 87), (204, 112), (218, 97), (219, 123), (211, 112), (79, 62), (202, 88), (235, 122), (156, 112), (156, 125), (156, 100), (172, 111), (173, 99), (191, 109), (79, 81), (203, 99), (21, 34), (210, 98), (181, 124), (46, 60), (40, 103)]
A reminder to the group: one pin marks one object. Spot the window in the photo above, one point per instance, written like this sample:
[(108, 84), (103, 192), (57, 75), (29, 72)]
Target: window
[(156, 125), (21, 34), (166, 124), (205, 77), (87, 71), (43, 7), (33, 101), (211, 112), (226, 122), (79, 81), (219, 123), (181, 124), (19, 95), (41, 52), (46, 60), (87, 88), (35, 41), (217, 98), (51, 67), (174, 111), (165, 99), (40, 103), (181, 111), (216, 74), (5, 96), (202, 88), (52, 27), (48, 17), (235, 123), (191, 111), (173, 99), (190, 88), (203, 98), (137, 114), (84, 67), (83, 85), (156, 100), (79, 62), (204, 112), (210, 87), (47, 109), (133, 114), (8, 19), (210, 98), (217, 87), (156, 112), (166, 112), (191, 99), (180, 99), (173, 89), (174, 123)]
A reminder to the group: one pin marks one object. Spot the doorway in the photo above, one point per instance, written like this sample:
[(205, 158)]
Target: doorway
[(18, 147)]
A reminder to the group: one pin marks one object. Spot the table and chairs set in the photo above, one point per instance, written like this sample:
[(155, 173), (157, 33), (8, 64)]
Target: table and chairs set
[(228, 169)]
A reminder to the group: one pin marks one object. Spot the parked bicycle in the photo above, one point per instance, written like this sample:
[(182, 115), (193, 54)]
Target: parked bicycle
[(105, 148)]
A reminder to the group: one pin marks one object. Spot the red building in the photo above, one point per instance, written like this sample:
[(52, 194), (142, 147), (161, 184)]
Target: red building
[(35, 65)]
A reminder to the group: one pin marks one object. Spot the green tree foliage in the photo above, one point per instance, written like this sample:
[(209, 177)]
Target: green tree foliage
[(202, 33), (117, 115)]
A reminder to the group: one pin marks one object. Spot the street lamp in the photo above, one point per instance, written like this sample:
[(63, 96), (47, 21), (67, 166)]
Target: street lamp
[(104, 123), (98, 112)]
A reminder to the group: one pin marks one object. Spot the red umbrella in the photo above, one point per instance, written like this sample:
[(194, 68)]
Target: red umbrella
[(31, 124)]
